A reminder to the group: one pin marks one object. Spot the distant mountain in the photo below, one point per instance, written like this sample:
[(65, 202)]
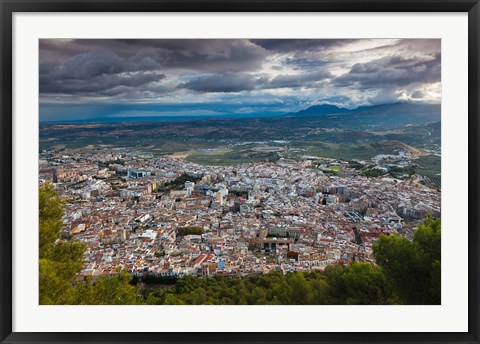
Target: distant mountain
[(324, 109), (396, 115), (370, 117)]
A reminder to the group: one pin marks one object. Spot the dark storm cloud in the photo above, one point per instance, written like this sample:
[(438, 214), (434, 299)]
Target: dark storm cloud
[(227, 82), (99, 72), (205, 55), (100, 85), (92, 64), (290, 45), (110, 67), (392, 71), (199, 54), (237, 82)]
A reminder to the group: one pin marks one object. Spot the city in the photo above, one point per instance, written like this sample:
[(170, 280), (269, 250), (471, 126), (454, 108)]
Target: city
[(131, 210)]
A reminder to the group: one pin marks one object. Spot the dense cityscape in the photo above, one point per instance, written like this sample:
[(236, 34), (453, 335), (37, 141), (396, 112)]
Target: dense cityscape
[(165, 216)]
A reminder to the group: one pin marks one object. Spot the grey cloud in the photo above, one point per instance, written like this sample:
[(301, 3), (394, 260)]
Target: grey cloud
[(96, 72), (227, 82), (206, 55), (218, 56), (302, 80), (418, 94), (386, 95), (302, 63), (95, 65), (146, 64), (409, 46), (100, 84), (290, 45), (92, 64), (391, 70), (236, 82)]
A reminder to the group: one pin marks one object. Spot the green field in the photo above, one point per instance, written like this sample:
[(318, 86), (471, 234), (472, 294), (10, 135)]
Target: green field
[(345, 151), (430, 167), (231, 157)]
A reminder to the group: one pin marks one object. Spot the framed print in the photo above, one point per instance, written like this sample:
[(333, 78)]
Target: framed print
[(237, 171)]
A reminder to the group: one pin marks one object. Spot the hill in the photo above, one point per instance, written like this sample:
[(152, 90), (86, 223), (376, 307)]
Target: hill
[(376, 117), (324, 109)]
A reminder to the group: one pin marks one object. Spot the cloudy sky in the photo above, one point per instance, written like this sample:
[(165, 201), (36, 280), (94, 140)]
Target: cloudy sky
[(93, 78)]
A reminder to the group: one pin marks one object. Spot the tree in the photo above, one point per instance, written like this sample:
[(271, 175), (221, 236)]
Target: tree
[(319, 290), (300, 290), (336, 289), (413, 268), (397, 258), (110, 290), (50, 219), (61, 260), (427, 243), (54, 289), (366, 284)]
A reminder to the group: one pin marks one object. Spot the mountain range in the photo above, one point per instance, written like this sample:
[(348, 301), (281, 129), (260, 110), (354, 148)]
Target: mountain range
[(383, 116)]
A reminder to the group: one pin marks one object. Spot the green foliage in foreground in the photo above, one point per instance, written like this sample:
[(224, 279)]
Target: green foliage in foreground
[(413, 267), (359, 283), (407, 273), (60, 260)]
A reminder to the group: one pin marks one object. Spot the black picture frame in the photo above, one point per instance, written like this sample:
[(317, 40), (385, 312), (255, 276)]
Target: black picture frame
[(9, 7)]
